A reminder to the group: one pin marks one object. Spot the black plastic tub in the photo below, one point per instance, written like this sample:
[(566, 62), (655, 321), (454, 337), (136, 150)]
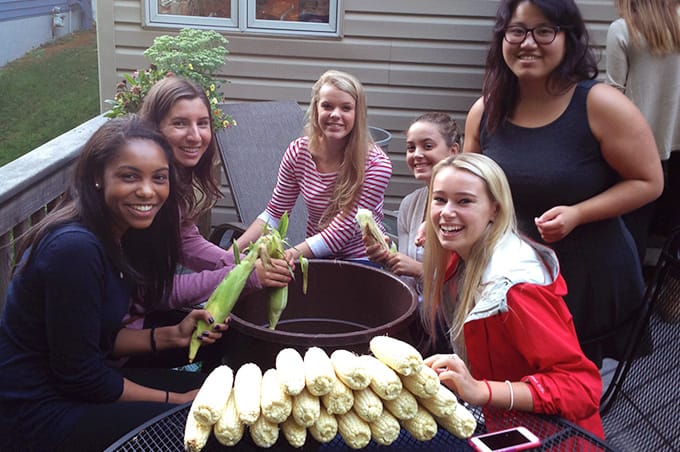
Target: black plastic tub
[(345, 306)]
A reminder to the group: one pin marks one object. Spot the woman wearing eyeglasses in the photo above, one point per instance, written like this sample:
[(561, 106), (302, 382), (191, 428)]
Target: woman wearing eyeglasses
[(578, 154)]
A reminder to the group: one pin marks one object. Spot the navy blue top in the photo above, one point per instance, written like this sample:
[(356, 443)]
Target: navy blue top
[(561, 164), (57, 330)]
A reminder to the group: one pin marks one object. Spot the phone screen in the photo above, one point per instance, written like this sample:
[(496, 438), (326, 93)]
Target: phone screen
[(503, 440)]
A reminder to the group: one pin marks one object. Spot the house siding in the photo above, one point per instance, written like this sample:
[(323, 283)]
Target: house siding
[(411, 56)]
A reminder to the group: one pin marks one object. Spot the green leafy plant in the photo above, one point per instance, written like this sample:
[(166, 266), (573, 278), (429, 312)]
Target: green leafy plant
[(192, 54)]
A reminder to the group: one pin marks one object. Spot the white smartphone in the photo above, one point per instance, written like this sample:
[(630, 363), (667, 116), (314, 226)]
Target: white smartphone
[(517, 438)]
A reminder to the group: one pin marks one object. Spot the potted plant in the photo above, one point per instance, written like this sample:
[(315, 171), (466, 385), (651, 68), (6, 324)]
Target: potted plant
[(193, 54)]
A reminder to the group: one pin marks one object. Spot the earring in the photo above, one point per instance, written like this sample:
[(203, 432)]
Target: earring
[(97, 186)]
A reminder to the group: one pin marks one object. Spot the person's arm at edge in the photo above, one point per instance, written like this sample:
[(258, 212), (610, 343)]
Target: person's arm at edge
[(617, 59), (473, 120)]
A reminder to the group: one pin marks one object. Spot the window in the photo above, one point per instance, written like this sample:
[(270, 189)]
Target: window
[(306, 17)]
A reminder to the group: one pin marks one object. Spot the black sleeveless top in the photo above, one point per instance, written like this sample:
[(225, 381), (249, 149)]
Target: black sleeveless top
[(561, 164)]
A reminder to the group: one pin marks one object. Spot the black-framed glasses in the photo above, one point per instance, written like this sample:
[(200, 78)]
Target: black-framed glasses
[(543, 34)]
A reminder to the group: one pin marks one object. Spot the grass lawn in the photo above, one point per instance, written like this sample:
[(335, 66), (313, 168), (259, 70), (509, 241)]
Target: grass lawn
[(47, 92)]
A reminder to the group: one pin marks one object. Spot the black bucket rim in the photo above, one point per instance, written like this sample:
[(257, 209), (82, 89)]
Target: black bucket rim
[(332, 339)]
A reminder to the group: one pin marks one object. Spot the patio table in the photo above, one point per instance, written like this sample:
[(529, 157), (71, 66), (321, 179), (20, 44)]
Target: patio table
[(166, 433)]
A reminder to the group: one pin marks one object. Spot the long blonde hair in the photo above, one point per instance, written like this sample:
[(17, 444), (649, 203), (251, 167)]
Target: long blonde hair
[(353, 166), (467, 277), (654, 22)]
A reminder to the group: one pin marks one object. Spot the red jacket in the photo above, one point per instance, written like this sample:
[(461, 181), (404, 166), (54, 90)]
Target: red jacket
[(532, 339)]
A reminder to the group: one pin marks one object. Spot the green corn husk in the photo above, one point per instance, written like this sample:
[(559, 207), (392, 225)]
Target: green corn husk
[(375, 236), (224, 297), (304, 268), (278, 299)]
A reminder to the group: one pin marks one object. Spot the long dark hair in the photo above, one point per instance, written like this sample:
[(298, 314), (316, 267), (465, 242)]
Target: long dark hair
[(500, 86), (147, 256), (199, 186)]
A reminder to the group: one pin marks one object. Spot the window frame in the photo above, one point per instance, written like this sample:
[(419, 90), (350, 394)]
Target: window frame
[(243, 20)]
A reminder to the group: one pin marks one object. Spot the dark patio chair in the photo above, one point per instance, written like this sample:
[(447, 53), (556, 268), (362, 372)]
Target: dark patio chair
[(640, 407), (251, 152)]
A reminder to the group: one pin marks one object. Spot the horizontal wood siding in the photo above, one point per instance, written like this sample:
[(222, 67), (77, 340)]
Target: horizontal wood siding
[(411, 56)]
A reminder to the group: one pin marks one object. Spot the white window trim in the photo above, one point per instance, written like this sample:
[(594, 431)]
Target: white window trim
[(243, 20)]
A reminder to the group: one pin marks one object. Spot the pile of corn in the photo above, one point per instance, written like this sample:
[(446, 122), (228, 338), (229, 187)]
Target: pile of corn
[(360, 397)]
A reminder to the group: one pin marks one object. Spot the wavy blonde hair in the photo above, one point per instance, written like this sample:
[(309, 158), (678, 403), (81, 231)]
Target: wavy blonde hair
[(654, 22), (469, 275), (353, 166)]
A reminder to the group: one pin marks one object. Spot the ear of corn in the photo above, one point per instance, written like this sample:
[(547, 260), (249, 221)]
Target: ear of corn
[(402, 357), (212, 397), (460, 423), (405, 406), (295, 434), (196, 434), (368, 226), (247, 392), (423, 384), (340, 398), (291, 371), (278, 300), (229, 429), (384, 381), (223, 298), (325, 428), (385, 429), (422, 426), (264, 433), (275, 402), (304, 268), (367, 404), (319, 373), (442, 404), (350, 369), (306, 408), (355, 432)]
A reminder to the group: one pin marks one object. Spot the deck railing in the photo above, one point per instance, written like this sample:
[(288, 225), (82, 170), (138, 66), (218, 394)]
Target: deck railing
[(31, 185)]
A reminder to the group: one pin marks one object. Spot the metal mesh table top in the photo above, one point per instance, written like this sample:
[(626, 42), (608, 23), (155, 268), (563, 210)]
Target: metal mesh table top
[(166, 433)]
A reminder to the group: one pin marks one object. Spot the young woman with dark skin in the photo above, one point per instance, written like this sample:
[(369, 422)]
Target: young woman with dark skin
[(116, 236)]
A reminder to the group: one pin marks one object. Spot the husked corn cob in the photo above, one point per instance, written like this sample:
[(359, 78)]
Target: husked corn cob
[(291, 370), (229, 428), (275, 402), (402, 357), (367, 404), (196, 434), (384, 381), (461, 423), (422, 426), (405, 406), (212, 398), (247, 392), (422, 384), (355, 431), (350, 369), (306, 408), (442, 404), (295, 434), (339, 400), (319, 373), (385, 430), (325, 428), (264, 433)]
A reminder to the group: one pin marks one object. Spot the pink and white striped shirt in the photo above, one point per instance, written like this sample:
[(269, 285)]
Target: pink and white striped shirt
[(298, 174)]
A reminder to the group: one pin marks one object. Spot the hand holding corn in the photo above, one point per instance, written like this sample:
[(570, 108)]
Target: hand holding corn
[(372, 235)]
